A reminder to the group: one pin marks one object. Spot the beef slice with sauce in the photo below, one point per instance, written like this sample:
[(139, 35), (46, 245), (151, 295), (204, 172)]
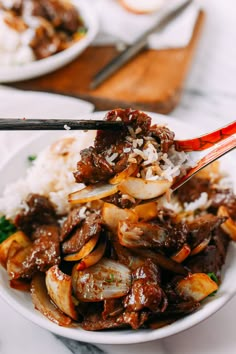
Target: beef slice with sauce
[(38, 211), (90, 227), (146, 292)]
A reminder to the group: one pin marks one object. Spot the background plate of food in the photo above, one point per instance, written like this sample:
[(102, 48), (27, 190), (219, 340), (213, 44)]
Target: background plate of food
[(37, 37), (184, 302)]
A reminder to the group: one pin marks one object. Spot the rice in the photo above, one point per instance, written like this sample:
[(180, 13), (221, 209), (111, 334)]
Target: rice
[(51, 175)]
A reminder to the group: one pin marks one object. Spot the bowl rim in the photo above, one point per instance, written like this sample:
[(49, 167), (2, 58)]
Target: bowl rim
[(208, 307)]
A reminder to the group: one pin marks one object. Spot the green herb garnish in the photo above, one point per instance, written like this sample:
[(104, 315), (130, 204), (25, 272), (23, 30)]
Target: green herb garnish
[(110, 279), (6, 228), (31, 158), (215, 279)]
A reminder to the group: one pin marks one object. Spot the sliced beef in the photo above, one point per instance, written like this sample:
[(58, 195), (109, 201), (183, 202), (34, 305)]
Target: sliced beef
[(90, 227), (38, 211), (62, 14), (208, 261), (146, 292), (192, 189), (92, 168), (164, 136), (72, 221), (224, 197), (202, 227), (112, 307), (134, 319), (182, 308), (44, 252)]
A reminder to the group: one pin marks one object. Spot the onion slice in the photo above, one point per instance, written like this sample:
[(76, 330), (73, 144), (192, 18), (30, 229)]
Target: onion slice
[(105, 280), (59, 287), (197, 286), (92, 192), (111, 215), (182, 254), (43, 303), (199, 248), (128, 171), (20, 238), (94, 256), (140, 188), (85, 250), (229, 226), (146, 211)]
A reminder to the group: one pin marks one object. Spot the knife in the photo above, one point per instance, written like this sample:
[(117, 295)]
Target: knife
[(136, 47)]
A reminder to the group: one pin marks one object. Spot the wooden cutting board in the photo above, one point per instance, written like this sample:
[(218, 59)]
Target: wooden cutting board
[(152, 81)]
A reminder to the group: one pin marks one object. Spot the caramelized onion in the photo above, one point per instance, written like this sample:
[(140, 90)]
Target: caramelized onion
[(20, 238), (43, 303), (94, 256), (105, 280), (143, 189), (93, 192), (229, 226), (85, 250), (182, 254), (111, 215), (59, 288), (197, 286)]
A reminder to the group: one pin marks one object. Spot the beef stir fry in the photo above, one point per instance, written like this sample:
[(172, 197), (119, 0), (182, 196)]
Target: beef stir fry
[(113, 262), (46, 26)]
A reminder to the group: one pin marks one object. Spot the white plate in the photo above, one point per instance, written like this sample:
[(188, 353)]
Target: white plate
[(22, 303), (56, 61)]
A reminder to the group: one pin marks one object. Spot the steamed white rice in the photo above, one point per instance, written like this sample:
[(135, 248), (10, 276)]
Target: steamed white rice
[(51, 175)]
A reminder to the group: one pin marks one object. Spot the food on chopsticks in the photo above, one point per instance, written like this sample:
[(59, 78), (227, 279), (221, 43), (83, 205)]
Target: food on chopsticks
[(31, 30), (105, 260)]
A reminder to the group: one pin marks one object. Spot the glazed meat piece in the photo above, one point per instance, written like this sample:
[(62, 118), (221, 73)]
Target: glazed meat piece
[(90, 227), (109, 155), (202, 227), (213, 257), (112, 307), (44, 253), (75, 217), (192, 189), (146, 292), (38, 211), (224, 197), (137, 120), (92, 168), (61, 14), (164, 136)]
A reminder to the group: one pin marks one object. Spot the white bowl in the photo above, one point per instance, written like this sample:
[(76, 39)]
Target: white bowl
[(22, 303), (56, 61)]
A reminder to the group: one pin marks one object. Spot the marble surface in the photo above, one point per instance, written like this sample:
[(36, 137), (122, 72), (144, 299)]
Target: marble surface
[(209, 100)]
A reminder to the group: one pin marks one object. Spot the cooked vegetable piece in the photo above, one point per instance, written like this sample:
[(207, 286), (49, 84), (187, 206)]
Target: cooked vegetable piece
[(105, 280), (94, 256), (85, 250), (147, 211), (128, 171), (199, 248), (141, 234), (6, 228), (43, 303), (111, 215), (92, 192), (196, 286), (20, 238), (143, 189), (15, 261), (59, 287), (229, 226), (182, 254)]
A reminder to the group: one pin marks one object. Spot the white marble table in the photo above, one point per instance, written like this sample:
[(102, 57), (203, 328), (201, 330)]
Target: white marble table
[(209, 99)]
